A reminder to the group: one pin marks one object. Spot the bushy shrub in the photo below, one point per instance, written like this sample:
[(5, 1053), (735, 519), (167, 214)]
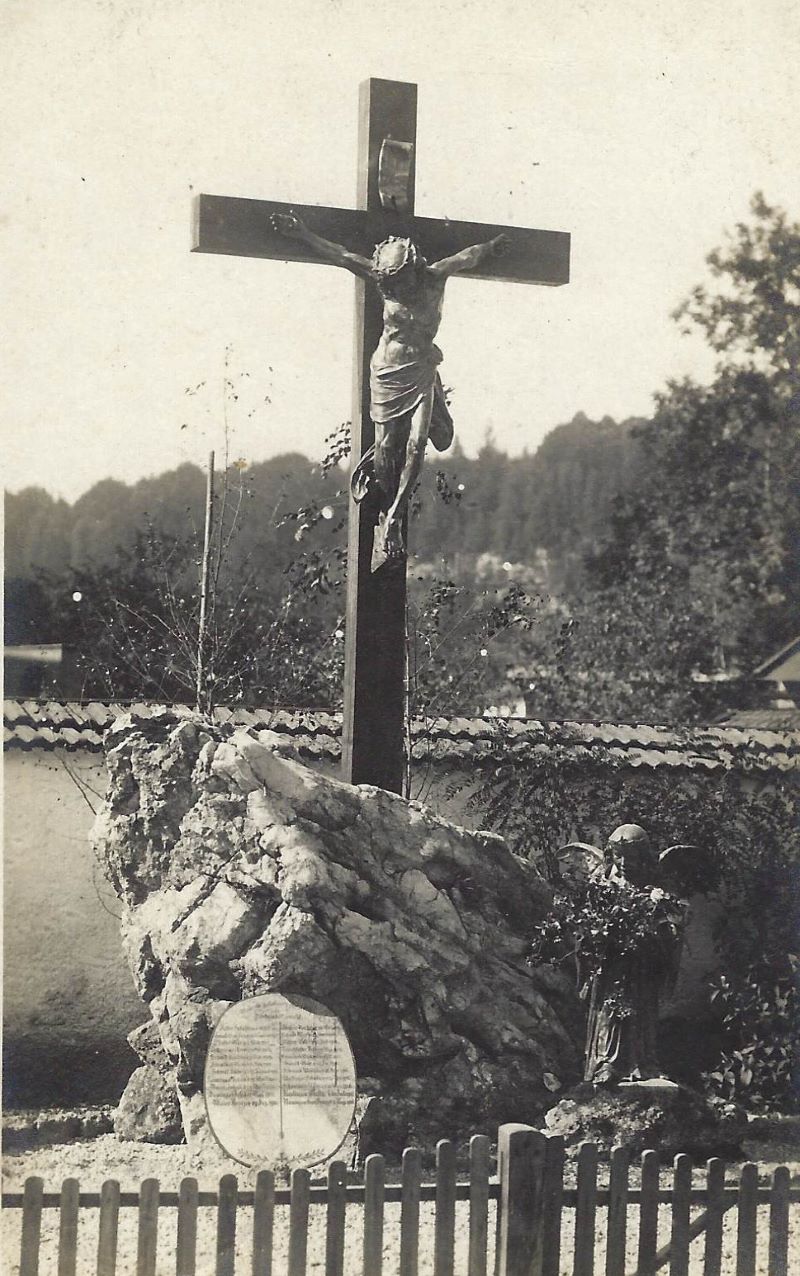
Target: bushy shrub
[(761, 1019), (607, 920), (746, 817)]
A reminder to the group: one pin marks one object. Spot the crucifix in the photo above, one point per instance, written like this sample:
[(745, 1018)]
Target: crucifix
[(379, 241)]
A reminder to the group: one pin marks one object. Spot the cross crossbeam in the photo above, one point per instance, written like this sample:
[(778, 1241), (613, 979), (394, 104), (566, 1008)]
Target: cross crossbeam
[(241, 228), (372, 737)]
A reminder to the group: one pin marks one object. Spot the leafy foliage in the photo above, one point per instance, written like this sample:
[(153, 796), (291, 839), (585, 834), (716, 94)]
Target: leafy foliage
[(606, 920), (760, 1013), (134, 621), (715, 524), (459, 635), (755, 309), (697, 570), (540, 801), (610, 655), (134, 627)]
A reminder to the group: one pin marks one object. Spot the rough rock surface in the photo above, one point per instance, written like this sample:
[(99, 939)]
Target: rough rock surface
[(671, 1120), (28, 1129), (146, 1042), (243, 872), (148, 1111)]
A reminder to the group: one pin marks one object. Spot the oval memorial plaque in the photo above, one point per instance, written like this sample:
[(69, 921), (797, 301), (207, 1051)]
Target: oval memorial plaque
[(280, 1082)]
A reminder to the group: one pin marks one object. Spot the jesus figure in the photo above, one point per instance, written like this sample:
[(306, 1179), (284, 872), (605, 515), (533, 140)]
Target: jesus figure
[(407, 402)]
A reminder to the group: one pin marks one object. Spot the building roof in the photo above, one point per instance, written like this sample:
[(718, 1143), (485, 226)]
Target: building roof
[(783, 666), (783, 720), (49, 724)]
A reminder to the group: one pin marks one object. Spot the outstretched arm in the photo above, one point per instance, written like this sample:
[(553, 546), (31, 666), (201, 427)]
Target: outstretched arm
[(293, 228), (469, 258)]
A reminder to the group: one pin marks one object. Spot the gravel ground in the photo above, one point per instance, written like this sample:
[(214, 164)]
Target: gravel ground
[(94, 1160)]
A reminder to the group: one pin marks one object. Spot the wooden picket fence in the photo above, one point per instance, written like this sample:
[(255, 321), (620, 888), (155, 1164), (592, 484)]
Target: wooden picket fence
[(528, 1197)]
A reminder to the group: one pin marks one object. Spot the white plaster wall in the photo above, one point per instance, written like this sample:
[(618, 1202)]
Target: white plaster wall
[(65, 977)]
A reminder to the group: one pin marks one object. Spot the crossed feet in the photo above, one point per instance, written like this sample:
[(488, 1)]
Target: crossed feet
[(388, 546)]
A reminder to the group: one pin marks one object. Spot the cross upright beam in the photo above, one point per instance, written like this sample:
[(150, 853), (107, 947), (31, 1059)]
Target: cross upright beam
[(375, 627), (372, 742)]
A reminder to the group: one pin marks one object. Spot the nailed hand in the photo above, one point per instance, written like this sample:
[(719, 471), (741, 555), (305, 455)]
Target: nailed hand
[(287, 224)]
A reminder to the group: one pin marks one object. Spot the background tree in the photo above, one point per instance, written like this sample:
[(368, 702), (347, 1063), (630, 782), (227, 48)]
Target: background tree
[(270, 636), (752, 313), (698, 569), (134, 627)]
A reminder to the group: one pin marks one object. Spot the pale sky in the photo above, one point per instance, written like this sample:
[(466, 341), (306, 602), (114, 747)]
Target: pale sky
[(642, 129)]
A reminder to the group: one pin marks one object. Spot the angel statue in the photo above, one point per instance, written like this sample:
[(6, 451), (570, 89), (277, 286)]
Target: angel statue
[(625, 912), (407, 401)]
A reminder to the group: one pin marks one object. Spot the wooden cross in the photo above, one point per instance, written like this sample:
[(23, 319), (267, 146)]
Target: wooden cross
[(372, 740)]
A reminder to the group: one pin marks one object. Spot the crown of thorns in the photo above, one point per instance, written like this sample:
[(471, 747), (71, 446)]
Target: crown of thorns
[(393, 254)]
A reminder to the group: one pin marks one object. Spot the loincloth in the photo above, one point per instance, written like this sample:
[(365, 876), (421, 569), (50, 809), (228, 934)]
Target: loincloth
[(396, 390)]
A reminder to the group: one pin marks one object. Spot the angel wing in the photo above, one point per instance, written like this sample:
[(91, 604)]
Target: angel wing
[(577, 862), (687, 869)]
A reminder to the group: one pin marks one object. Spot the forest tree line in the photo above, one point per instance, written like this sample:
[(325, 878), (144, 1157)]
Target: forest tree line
[(558, 498)]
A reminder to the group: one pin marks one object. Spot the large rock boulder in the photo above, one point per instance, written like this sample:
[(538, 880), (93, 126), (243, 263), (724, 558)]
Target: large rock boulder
[(242, 872), (649, 1114), (148, 1111)]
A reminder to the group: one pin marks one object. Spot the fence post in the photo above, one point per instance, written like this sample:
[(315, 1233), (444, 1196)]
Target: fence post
[(31, 1226), (479, 1160), (409, 1212), (147, 1247), (227, 1200), (520, 1155), (68, 1228)]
